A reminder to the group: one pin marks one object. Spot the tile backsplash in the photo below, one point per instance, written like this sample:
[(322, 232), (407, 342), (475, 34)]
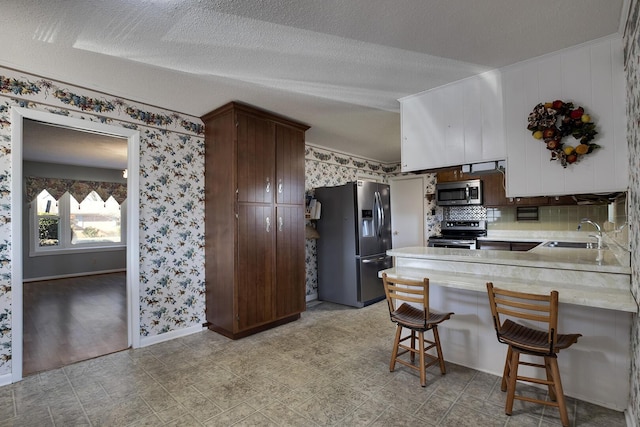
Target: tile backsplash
[(612, 218), (464, 212), (551, 218)]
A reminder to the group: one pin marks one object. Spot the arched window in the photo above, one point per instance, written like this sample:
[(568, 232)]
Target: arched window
[(94, 221), (48, 220)]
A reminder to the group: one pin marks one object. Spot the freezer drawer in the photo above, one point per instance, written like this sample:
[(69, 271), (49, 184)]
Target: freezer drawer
[(370, 288)]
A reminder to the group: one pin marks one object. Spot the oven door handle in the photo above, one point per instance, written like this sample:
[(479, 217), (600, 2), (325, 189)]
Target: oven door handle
[(462, 244)]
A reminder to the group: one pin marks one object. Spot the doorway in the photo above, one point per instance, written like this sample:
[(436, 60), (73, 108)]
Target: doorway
[(22, 117)]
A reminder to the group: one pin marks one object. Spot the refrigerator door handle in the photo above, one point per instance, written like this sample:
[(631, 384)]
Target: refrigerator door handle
[(376, 218), (379, 213), (382, 219)]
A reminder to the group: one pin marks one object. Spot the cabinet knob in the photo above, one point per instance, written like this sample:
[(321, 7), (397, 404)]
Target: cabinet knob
[(280, 186), (268, 186), (268, 224), (280, 223)]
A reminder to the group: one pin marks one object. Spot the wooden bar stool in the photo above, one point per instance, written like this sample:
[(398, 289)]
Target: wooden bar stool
[(408, 302), (525, 340)]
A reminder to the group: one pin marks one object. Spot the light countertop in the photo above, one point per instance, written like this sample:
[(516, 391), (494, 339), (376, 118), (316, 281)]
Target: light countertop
[(587, 277), (541, 257), (569, 293)]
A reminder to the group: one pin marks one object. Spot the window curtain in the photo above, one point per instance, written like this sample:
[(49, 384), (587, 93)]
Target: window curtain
[(77, 188)]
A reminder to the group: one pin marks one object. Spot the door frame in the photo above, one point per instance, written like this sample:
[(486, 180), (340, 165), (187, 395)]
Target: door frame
[(18, 114)]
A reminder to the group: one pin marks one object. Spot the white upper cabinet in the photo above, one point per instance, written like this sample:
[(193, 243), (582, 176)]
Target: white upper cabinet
[(590, 76), (461, 122)]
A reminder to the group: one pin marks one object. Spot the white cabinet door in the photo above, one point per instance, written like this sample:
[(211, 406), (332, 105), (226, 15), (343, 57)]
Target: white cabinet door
[(450, 101), (433, 129), (483, 118), (407, 211), (590, 76), (491, 111), (454, 124), (421, 133), (473, 118)]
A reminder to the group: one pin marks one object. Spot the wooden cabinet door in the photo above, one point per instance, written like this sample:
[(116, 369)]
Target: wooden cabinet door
[(289, 165), (290, 266), (256, 159), (451, 174), (255, 269), (493, 190)]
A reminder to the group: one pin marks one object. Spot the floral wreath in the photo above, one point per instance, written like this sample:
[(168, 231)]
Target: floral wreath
[(544, 121)]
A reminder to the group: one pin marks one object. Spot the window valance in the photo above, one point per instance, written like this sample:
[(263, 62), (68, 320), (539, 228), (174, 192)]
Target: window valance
[(77, 188)]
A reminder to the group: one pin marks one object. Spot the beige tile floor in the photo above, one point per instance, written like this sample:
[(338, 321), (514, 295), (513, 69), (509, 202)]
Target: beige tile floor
[(328, 368)]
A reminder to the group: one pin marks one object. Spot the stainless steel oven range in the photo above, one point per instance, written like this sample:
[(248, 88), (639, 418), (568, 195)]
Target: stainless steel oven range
[(459, 234)]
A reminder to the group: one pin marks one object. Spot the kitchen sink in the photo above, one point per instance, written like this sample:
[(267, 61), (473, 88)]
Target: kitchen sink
[(573, 245)]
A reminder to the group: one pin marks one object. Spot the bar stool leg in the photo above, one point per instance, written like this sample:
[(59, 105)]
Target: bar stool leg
[(412, 356), (394, 353), (423, 369), (436, 339), (513, 377), (505, 374), (562, 405), (552, 391)]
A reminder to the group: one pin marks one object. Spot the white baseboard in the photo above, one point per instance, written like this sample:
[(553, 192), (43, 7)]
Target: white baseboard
[(66, 276), (311, 297), (6, 379), (147, 341)]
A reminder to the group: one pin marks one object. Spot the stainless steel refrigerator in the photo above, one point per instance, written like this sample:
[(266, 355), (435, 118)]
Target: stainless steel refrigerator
[(355, 233)]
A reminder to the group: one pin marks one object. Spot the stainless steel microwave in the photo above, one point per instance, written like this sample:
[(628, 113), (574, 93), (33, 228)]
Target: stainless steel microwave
[(459, 193)]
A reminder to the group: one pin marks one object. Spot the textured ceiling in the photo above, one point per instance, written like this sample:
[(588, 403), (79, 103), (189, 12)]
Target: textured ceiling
[(53, 144), (337, 65)]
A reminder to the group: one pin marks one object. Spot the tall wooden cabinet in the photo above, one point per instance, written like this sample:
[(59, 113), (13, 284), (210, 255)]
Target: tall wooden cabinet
[(254, 220)]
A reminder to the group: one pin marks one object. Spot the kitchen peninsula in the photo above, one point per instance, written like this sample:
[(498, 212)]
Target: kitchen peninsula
[(595, 301)]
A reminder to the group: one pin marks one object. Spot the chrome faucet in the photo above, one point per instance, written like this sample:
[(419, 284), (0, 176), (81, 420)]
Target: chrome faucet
[(595, 224)]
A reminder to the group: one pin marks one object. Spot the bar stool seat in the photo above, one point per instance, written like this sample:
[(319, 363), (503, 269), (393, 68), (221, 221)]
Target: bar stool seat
[(408, 302), (532, 340), (523, 339)]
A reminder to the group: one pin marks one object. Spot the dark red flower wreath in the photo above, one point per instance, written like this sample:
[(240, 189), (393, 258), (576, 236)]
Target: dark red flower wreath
[(552, 121)]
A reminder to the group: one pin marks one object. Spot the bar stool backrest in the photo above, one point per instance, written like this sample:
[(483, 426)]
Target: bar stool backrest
[(399, 291), (509, 307)]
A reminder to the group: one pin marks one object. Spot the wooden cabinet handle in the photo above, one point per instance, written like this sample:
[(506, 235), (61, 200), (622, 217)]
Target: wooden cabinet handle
[(268, 224), (268, 186), (280, 223), (280, 186)]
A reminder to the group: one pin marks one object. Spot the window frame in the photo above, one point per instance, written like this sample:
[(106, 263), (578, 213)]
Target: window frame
[(64, 244)]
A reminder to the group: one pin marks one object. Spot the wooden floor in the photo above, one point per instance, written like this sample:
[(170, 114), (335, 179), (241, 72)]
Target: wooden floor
[(68, 320)]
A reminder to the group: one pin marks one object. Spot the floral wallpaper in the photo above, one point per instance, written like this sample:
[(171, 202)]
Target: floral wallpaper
[(632, 70), (171, 199)]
